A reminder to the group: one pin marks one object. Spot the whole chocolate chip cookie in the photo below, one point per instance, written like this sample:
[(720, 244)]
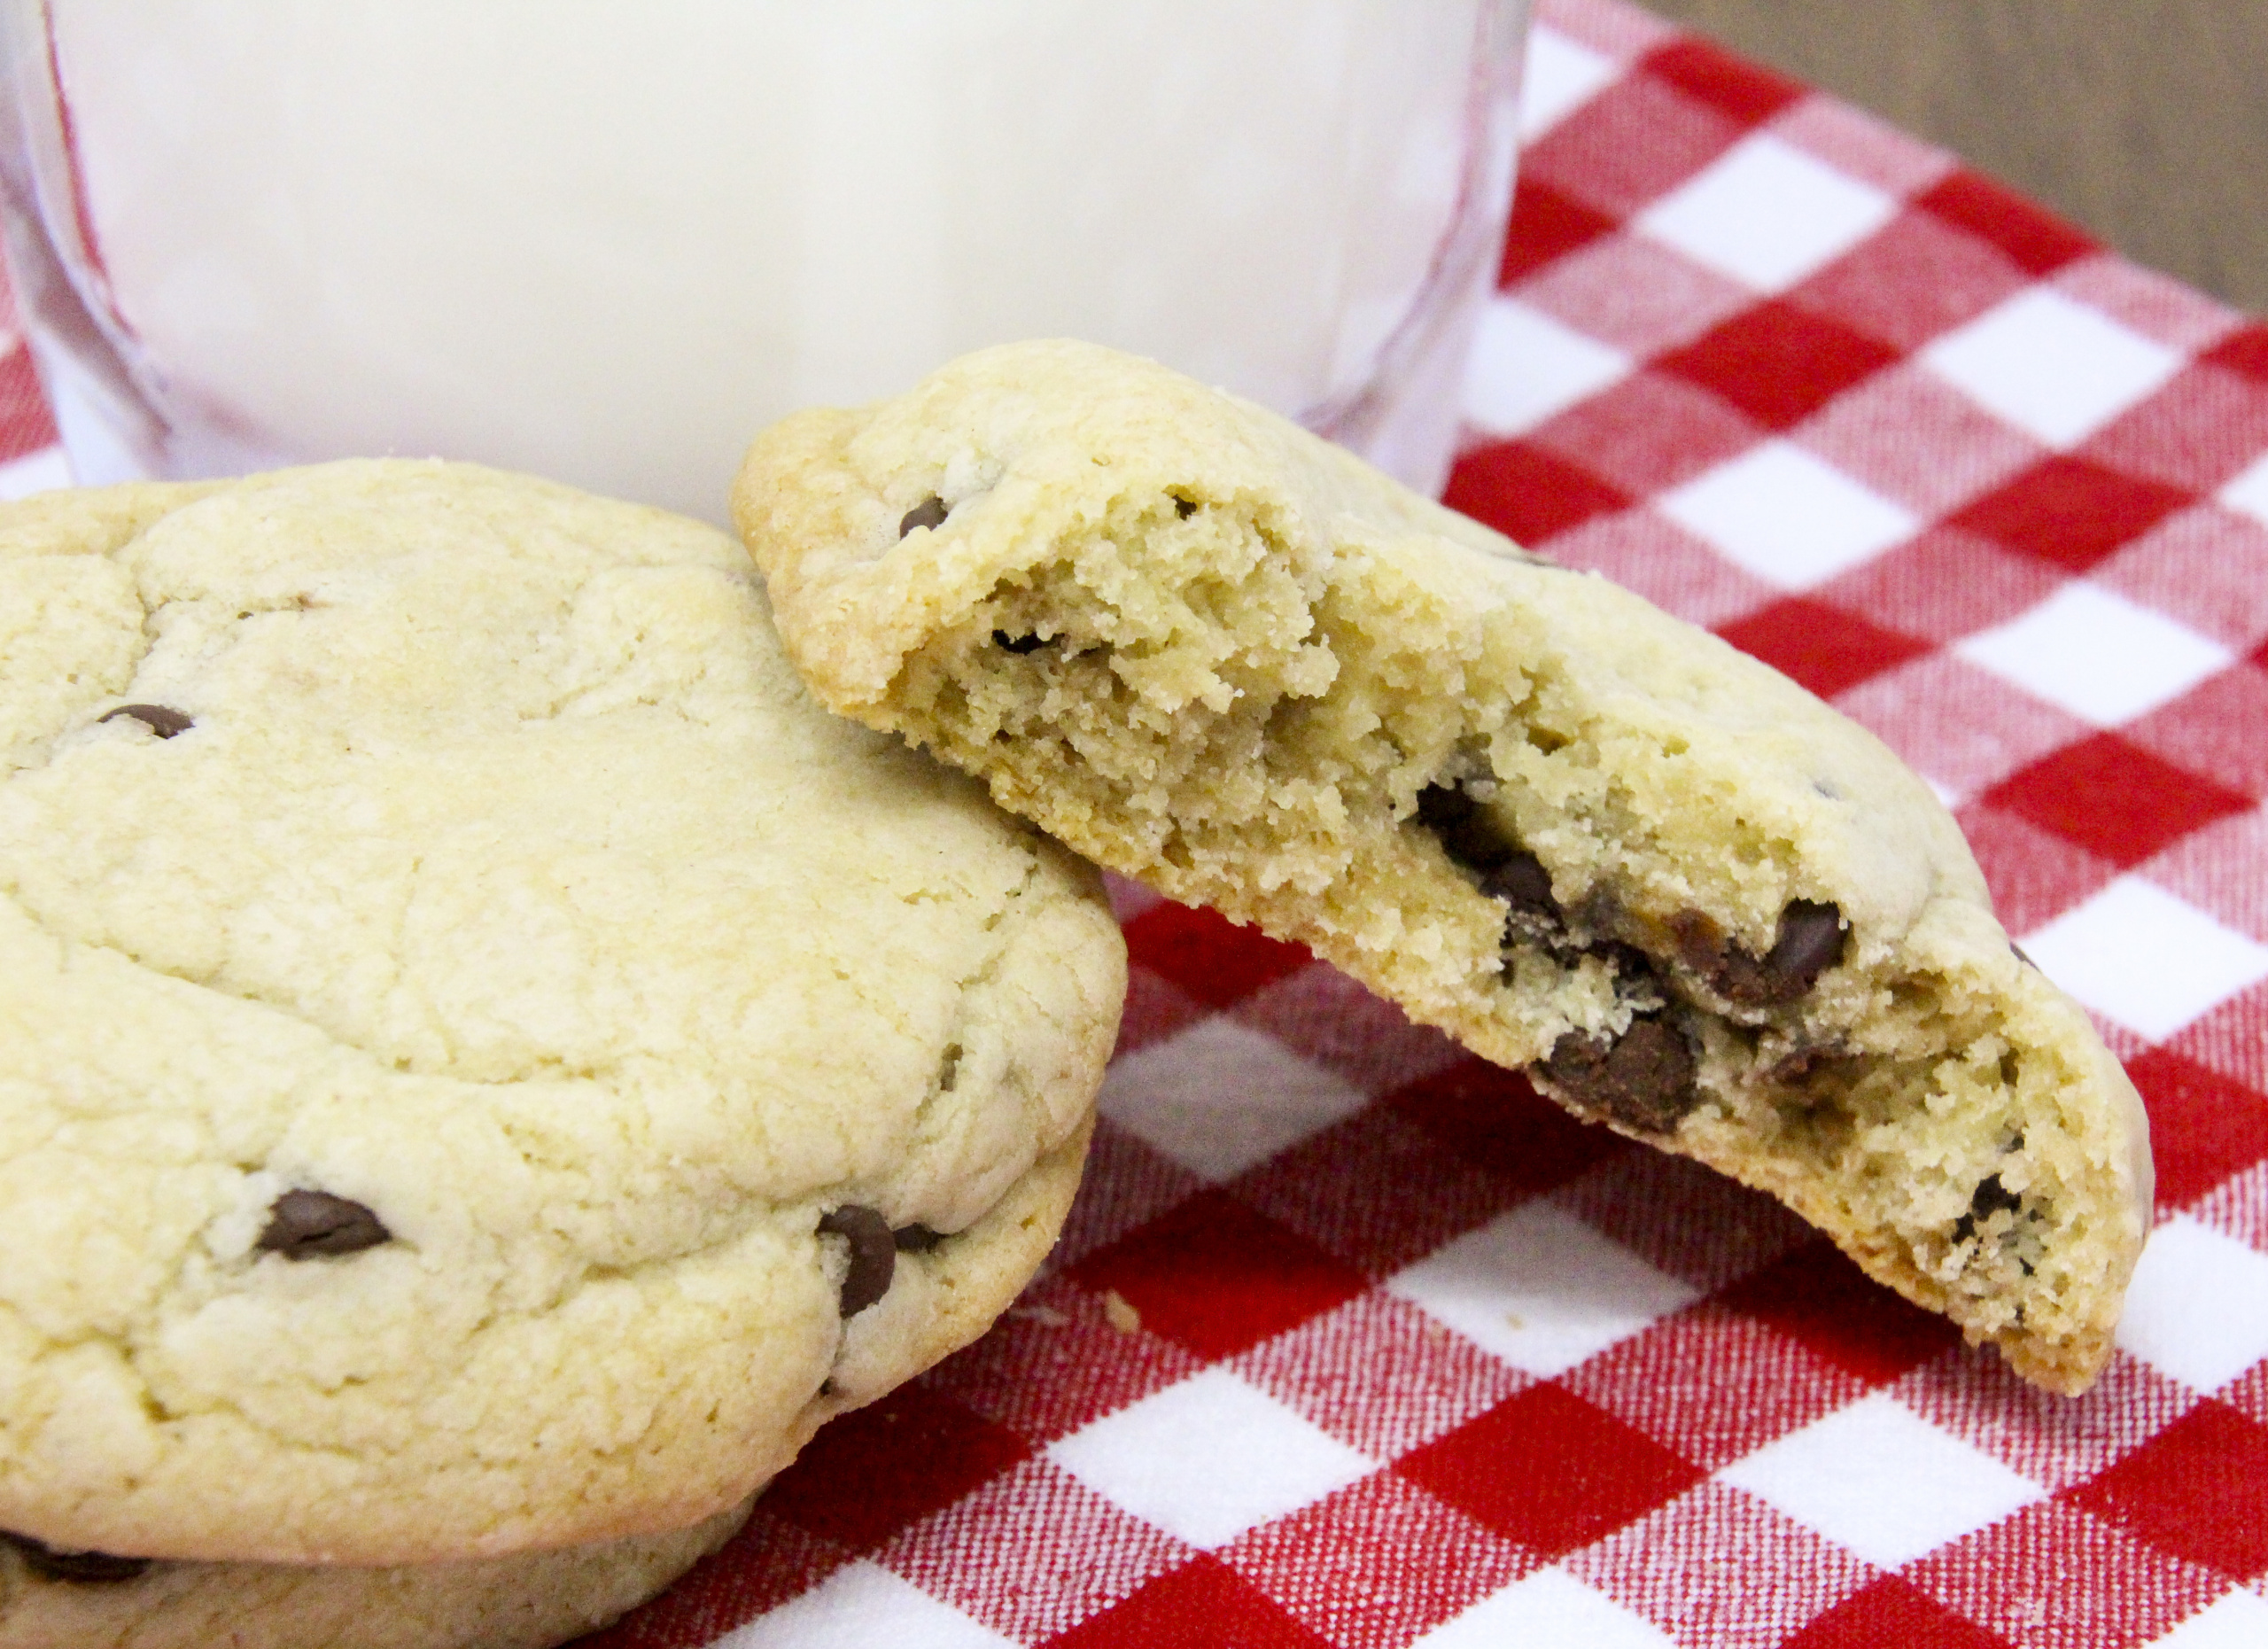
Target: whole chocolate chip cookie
[(528, 1600), (486, 1061), (1209, 650)]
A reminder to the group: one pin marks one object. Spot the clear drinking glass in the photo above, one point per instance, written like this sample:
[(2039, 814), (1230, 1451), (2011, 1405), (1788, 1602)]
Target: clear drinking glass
[(607, 242)]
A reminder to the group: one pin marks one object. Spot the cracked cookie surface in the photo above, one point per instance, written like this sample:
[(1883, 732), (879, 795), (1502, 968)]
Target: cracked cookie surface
[(461, 1004), (1210, 652)]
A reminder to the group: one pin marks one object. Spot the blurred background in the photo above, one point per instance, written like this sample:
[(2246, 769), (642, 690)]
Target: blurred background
[(2146, 121)]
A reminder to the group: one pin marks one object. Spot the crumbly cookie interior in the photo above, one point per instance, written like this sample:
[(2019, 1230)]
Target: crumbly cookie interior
[(1521, 803)]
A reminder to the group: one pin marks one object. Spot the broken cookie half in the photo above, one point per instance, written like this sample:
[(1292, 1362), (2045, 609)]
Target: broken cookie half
[(1209, 650)]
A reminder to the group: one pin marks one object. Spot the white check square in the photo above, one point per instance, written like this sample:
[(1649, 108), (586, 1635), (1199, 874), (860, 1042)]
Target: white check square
[(2197, 1308), (1877, 1478), (860, 1604), (2145, 958), (2056, 369), (2248, 494), (2096, 654), (1541, 1288), (1549, 1609), (1791, 519), (1561, 76), (1221, 1096), (2237, 1620), (1525, 367), (1208, 1458), (1766, 214)]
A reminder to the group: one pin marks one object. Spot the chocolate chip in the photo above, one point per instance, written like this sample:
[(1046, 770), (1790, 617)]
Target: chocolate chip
[(1633, 968), (1184, 508), (1466, 832), (1643, 1079), (1523, 883), (916, 1239), (1991, 1197), (873, 1254), (1008, 643), (1801, 1064), (1810, 940), (85, 1569), (159, 718), (312, 1225), (931, 512)]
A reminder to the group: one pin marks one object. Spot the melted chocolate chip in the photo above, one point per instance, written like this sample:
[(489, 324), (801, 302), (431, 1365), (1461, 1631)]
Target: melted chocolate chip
[(873, 1254), (315, 1225), (931, 512), (1008, 643), (916, 1239), (159, 718), (1991, 1197), (1468, 834), (1810, 940), (1633, 969), (1643, 1079), (1801, 1064), (1184, 508), (1523, 883), (84, 1568)]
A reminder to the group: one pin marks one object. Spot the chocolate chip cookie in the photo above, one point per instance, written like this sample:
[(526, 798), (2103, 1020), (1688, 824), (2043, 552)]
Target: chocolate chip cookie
[(487, 1063), (1589, 840), (52, 1600)]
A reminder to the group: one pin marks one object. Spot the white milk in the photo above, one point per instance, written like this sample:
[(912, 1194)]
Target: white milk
[(607, 242)]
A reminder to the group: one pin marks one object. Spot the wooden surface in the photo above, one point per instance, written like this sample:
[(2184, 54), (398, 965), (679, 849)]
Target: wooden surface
[(2145, 120)]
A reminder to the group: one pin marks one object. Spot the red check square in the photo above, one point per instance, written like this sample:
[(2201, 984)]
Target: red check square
[(2070, 510), (1893, 1611), (1825, 648), (1527, 494), (2114, 798), (1777, 362), (27, 426), (1214, 1278), (2035, 240), (1203, 1602), (1820, 1299), (1495, 1119), (912, 1453), (1210, 957), (1546, 226), (2203, 1126), (2197, 1489), (1740, 91), (2244, 350), (1551, 1471)]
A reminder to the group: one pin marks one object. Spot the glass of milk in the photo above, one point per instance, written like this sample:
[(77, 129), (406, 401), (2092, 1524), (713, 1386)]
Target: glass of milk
[(607, 242)]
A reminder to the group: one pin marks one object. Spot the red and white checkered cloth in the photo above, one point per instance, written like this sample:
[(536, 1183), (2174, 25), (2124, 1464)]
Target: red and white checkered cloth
[(1352, 1340)]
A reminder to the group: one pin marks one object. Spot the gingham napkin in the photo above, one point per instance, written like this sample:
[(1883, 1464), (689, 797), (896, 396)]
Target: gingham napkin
[(1354, 1341)]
